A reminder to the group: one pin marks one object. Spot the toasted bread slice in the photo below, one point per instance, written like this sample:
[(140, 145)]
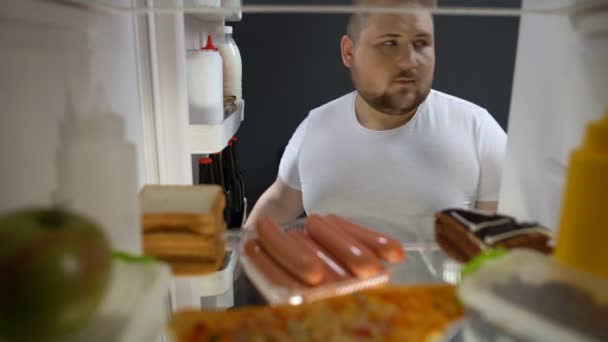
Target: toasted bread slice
[(183, 223), (198, 209), (169, 246), (187, 267)]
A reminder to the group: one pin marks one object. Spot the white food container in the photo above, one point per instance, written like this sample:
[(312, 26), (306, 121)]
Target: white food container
[(528, 296)]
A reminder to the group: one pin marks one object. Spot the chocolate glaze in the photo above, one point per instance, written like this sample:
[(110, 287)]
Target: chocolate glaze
[(493, 228)]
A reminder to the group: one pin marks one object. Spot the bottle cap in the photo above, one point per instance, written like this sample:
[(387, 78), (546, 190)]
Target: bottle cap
[(596, 138), (210, 45)]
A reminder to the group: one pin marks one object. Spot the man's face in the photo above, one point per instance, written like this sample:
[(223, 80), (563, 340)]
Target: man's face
[(392, 61)]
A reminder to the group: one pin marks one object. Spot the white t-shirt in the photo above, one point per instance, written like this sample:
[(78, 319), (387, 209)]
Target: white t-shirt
[(448, 155)]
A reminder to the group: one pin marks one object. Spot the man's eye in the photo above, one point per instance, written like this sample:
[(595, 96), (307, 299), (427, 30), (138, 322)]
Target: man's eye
[(389, 43), (420, 44)]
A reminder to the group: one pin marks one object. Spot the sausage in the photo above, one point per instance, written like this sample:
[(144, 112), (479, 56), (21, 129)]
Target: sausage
[(383, 246), (296, 259), (349, 252), (333, 271), (271, 270)]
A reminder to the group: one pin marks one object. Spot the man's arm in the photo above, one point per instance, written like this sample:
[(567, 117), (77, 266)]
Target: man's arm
[(279, 202), (491, 152)]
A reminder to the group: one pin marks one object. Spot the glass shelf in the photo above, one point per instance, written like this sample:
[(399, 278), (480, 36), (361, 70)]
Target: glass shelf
[(212, 8)]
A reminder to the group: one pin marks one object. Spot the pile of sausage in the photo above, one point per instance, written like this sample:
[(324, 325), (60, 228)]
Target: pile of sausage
[(329, 249)]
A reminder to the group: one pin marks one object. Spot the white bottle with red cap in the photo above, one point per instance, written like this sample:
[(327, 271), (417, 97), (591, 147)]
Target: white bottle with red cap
[(205, 85), (97, 172)]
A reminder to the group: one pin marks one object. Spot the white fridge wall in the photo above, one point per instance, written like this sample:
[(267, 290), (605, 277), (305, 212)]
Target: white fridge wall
[(560, 85), (38, 63), (45, 51)]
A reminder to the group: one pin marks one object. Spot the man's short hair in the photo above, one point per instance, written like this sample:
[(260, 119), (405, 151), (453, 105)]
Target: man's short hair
[(357, 21)]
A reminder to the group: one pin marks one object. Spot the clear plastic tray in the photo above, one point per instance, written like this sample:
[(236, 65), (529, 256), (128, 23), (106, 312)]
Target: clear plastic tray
[(425, 263), (274, 294)]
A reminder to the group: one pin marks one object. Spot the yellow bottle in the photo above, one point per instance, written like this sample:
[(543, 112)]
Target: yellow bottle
[(582, 239)]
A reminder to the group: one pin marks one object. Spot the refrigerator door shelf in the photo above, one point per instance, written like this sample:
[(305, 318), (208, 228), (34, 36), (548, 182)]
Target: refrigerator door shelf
[(214, 290), (206, 139), (229, 10), (232, 10)]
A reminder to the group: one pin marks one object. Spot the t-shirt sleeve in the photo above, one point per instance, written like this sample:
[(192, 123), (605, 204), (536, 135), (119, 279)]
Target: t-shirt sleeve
[(289, 168), (491, 148)]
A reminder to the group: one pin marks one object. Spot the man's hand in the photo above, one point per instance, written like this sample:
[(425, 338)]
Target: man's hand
[(279, 202)]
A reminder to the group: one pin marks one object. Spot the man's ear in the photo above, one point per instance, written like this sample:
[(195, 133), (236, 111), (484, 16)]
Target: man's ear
[(346, 47)]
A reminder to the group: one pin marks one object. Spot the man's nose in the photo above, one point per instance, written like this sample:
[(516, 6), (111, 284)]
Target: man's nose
[(407, 58)]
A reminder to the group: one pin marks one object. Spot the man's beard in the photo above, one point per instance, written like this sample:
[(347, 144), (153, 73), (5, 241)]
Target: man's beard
[(392, 103)]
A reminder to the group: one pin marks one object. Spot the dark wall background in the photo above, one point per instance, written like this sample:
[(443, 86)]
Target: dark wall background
[(292, 64)]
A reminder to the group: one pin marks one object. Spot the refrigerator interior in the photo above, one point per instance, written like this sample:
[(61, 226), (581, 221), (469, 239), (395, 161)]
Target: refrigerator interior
[(135, 50), (57, 54)]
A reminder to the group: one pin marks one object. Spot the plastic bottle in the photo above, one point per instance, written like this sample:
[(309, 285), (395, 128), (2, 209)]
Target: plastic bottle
[(232, 64), (221, 181), (583, 231), (205, 84), (97, 174), (206, 172), (235, 157), (217, 168), (234, 187)]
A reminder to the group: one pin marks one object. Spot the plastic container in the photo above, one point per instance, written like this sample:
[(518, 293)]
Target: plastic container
[(97, 174), (232, 65), (214, 290), (527, 296), (274, 294), (135, 308), (205, 98), (583, 231)]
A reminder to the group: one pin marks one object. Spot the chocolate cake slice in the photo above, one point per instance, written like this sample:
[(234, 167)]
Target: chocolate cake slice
[(462, 234)]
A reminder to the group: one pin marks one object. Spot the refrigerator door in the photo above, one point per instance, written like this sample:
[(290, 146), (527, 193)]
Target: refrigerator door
[(560, 85)]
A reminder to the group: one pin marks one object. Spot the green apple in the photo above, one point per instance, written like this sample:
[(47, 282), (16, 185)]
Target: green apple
[(54, 269)]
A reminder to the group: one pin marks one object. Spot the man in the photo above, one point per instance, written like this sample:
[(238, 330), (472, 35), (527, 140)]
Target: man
[(394, 152)]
